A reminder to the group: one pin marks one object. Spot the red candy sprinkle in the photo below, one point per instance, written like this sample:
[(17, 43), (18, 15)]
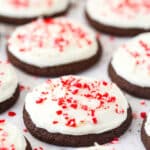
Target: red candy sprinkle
[(11, 114), (115, 140), (59, 112), (41, 100), (143, 115), (94, 120), (55, 122), (49, 21), (2, 121), (74, 106), (105, 83), (71, 123)]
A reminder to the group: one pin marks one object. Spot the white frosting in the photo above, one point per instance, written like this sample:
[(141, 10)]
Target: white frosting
[(120, 13), (45, 43), (32, 8), (131, 61), (97, 147), (147, 125), (8, 81), (90, 111), (11, 137)]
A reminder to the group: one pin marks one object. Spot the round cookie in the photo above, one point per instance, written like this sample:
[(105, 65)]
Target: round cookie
[(119, 17), (145, 132), (23, 11), (53, 47), (76, 111), (9, 88), (130, 66), (12, 138)]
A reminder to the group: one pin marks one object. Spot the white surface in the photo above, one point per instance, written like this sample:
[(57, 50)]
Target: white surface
[(147, 125), (48, 46), (135, 13), (134, 65), (131, 139), (107, 118), (97, 147)]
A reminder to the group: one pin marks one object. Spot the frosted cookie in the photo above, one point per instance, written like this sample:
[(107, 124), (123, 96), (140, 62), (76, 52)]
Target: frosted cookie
[(23, 11), (119, 17), (9, 89), (76, 111), (145, 132), (53, 47), (130, 66), (11, 138)]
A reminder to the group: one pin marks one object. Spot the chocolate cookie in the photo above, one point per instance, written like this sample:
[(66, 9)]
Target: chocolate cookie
[(129, 67), (76, 121), (12, 138), (9, 88), (145, 133), (106, 16), (62, 47), (19, 12)]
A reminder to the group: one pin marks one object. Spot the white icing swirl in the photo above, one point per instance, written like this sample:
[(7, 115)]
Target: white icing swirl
[(76, 106), (32, 8), (11, 137), (120, 13), (8, 81), (131, 61), (53, 42)]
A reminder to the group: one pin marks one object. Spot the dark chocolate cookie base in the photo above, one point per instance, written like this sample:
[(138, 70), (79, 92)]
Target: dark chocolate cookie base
[(144, 137), (141, 92), (28, 147), (9, 102), (70, 68), (75, 141), (114, 30), (20, 21)]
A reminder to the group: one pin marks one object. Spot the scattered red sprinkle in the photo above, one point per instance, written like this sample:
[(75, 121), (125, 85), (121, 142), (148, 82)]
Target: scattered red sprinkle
[(44, 93), (143, 115), (25, 130), (74, 106), (75, 91), (49, 21), (59, 112), (112, 99), (2, 120), (22, 87), (11, 114), (115, 140), (105, 94), (105, 83), (41, 100), (84, 107), (71, 123), (94, 120), (55, 122), (142, 102), (79, 85)]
